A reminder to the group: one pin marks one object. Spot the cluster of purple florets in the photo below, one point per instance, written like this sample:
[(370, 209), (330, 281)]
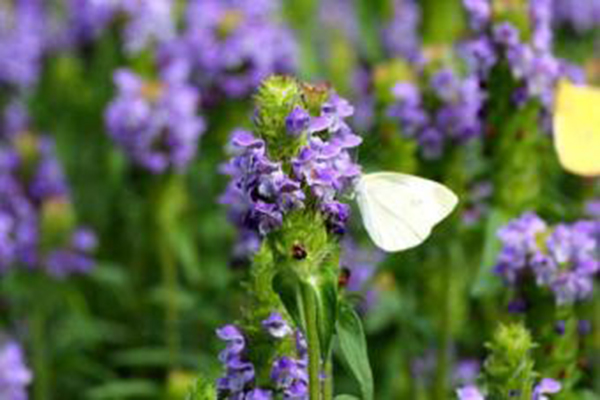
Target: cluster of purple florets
[(401, 35), (145, 22), (232, 45), (289, 377), (32, 186), (22, 42), (14, 374), (455, 116), (260, 192), (579, 15), (540, 391), (155, 123), (563, 258), (531, 62)]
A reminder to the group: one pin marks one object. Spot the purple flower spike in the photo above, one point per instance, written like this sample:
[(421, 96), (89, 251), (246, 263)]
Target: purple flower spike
[(155, 123)]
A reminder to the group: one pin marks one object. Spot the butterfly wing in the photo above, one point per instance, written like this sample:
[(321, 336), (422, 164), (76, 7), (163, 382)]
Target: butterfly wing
[(577, 128), (399, 211)]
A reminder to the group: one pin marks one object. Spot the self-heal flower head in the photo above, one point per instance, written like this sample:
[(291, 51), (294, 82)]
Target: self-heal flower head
[(563, 258), (21, 42), (261, 192), (233, 45), (579, 15), (454, 118), (36, 222), (15, 376), (148, 21), (401, 34), (155, 123)]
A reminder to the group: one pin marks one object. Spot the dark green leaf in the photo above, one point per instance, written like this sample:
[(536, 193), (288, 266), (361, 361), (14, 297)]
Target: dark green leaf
[(324, 288), (287, 285), (353, 345)]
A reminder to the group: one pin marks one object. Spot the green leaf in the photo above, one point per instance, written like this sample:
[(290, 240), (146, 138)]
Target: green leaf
[(353, 345), (346, 397), (486, 283), (324, 288), (287, 285)]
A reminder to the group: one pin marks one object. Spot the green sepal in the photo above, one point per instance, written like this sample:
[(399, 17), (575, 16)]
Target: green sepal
[(353, 346)]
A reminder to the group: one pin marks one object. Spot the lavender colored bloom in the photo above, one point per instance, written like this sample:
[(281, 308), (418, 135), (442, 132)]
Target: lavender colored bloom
[(291, 377), (466, 372), (454, 118), (401, 34), (470, 392), (234, 44), (480, 13), (297, 122), (33, 194), (258, 394), (564, 258), (259, 192), (580, 15), (14, 374), (156, 124), (546, 386), (277, 326), (89, 18), (21, 42), (148, 21)]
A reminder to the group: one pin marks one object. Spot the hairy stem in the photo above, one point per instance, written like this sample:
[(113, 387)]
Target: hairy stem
[(169, 272), (328, 384), (314, 353)]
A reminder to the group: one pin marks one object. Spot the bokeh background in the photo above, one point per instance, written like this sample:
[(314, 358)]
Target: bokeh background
[(118, 260)]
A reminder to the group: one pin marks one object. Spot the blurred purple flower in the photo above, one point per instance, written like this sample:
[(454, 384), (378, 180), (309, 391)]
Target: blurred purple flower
[(232, 45), (14, 374), (155, 123), (563, 258), (22, 30)]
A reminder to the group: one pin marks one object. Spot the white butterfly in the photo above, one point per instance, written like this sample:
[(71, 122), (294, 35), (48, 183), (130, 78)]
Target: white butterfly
[(399, 210)]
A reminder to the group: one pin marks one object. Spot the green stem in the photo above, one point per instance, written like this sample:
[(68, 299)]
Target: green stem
[(40, 360), (314, 353), (445, 338), (169, 271), (328, 384)]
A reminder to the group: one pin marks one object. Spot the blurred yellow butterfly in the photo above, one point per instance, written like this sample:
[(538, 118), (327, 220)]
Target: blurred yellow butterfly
[(577, 128)]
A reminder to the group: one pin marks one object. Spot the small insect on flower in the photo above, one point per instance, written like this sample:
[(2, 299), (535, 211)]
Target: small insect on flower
[(344, 277), (298, 251), (399, 211)]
